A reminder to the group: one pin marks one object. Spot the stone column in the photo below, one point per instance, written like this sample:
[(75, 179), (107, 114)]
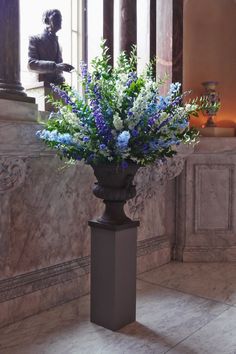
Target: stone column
[(84, 31), (10, 85), (108, 21), (177, 56), (128, 25), (153, 42), (169, 41)]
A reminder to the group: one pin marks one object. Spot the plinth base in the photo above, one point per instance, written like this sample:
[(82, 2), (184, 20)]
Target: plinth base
[(113, 274), (16, 97), (217, 131)]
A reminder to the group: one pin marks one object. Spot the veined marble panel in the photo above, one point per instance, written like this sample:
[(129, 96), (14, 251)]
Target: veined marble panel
[(45, 222), (213, 197), (206, 203)]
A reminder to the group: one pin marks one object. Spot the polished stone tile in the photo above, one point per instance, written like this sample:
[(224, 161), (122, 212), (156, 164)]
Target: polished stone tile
[(164, 318), (214, 281), (218, 337)]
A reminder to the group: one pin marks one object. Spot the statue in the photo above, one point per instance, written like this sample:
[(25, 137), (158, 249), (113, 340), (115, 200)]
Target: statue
[(44, 55)]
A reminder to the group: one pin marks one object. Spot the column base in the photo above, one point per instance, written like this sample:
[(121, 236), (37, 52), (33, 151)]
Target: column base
[(16, 97), (113, 274)]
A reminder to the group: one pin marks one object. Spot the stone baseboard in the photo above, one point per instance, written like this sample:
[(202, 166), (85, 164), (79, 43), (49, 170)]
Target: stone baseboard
[(31, 293), (153, 253), (209, 254)]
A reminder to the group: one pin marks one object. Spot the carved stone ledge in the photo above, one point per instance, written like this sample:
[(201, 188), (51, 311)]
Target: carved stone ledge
[(153, 244), (12, 173), (40, 279), (150, 178)]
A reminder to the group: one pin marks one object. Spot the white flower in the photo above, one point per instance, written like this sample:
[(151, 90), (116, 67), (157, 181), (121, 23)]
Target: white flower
[(141, 103), (117, 122), (191, 107), (163, 116), (72, 119)]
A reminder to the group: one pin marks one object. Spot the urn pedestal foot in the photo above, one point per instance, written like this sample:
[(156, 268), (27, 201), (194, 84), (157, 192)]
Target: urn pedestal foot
[(113, 274)]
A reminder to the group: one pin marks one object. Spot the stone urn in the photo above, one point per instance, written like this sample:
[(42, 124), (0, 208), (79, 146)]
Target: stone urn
[(115, 186), (213, 98)]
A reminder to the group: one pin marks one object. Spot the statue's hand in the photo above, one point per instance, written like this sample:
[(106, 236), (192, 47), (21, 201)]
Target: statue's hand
[(64, 67)]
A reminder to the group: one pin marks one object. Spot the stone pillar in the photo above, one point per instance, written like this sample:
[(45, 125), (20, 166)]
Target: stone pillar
[(177, 55), (153, 31), (84, 20), (108, 21), (169, 41), (128, 25), (10, 85)]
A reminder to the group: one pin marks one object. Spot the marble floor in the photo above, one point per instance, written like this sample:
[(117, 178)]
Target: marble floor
[(181, 309)]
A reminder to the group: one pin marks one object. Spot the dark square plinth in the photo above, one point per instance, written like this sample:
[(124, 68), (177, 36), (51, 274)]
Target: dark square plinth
[(113, 274)]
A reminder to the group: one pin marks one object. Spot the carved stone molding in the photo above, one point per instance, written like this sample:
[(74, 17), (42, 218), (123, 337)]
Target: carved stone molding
[(209, 254), (12, 173), (150, 178), (153, 244), (40, 279)]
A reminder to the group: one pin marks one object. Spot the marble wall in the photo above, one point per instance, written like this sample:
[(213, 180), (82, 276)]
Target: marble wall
[(44, 210), (206, 203)]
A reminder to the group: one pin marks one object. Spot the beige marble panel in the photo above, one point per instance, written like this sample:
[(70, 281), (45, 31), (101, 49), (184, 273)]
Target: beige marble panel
[(213, 197), (214, 281), (164, 317), (206, 203), (45, 222)]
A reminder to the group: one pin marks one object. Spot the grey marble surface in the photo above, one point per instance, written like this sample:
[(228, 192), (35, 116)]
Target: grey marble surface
[(216, 337), (209, 280), (168, 320)]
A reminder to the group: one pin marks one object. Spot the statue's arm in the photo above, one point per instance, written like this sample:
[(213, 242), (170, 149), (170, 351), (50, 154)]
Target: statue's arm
[(34, 61)]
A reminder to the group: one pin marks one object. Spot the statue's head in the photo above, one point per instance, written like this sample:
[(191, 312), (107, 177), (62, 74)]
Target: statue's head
[(53, 19)]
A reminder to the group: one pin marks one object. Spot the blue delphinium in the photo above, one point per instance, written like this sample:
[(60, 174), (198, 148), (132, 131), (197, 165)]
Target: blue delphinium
[(123, 140)]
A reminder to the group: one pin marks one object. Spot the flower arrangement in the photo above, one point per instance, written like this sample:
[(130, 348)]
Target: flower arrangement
[(121, 116)]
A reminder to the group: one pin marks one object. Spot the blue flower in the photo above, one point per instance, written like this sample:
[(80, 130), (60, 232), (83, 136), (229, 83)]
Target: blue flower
[(174, 88), (65, 138), (163, 103), (134, 132), (123, 140)]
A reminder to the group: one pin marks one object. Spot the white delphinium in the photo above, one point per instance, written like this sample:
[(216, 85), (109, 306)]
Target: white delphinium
[(141, 103), (72, 119), (120, 89), (117, 122)]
